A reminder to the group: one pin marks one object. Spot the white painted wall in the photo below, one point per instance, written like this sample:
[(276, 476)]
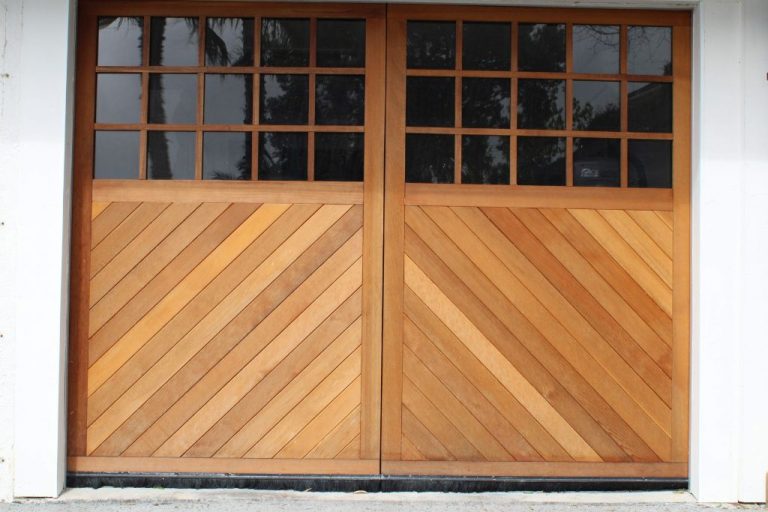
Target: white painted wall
[(35, 140), (729, 441)]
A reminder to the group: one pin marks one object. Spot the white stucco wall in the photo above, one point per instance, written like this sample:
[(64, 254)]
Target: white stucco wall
[(729, 444), (35, 139)]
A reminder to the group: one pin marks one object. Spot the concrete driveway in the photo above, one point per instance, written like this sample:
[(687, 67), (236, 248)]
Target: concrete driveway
[(166, 500)]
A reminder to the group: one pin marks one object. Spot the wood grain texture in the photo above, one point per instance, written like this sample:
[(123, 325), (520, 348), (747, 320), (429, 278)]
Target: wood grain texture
[(505, 293), (263, 326)]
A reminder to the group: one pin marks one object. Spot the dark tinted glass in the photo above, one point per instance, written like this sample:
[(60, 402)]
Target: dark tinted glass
[(173, 42), (485, 103), (650, 50), (282, 156), (487, 46), (172, 98), (596, 48), (340, 99), (540, 161), (341, 43), (430, 101), (171, 155), (226, 156), (596, 162), (541, 104), (229, 42), (284, 99), (118, 98), (120, 41), (339, 156), (429, 158), (228, 99), (650, 107), (650, 163), (541, 47), (485, 159), (596, 105), (432, 44), (284, 42), (116, 156)]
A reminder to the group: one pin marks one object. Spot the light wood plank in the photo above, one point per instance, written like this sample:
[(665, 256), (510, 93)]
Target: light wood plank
[(341, 441)]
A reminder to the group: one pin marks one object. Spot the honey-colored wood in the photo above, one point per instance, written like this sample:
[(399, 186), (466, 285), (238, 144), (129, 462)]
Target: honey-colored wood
[(358, 328), (211, 309), (535, 331)]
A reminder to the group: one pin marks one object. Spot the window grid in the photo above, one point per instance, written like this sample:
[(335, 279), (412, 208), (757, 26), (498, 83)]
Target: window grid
[(623, 77), (256, 71)]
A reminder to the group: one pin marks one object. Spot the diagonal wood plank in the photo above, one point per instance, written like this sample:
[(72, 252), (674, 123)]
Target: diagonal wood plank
[(623, 253), (455, 412), (138, 249), (97, 208), (123, 234), (481, 407), (113, 328), (315, 430), (334, 444), (641, 243), (255, 370), (578, 280), (518, 277), (283, 400), (259, 326), (180, 295), (109, 219), (429, 447), (655, 228), (195, 321), (622, 282), (351, 451), (495, 361), (510, 332), (436, 422), (157, 260)]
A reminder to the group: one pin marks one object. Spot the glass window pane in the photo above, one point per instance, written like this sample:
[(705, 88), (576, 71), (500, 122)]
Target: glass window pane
[(485, 103), (284, 42), (116, 156), (118, 98), (226, 156), (487, 46), (171, 155), (541, 47), (596, 105), (429, 158), (485, 159), (430, 101), (596, 49), (229, 42), (228, 99), (431, 44), (173, 42), (650, 50), (650, 163), (540, 161), (172, 98), (282, 156), (341, 43), (284, 99), (120, 41), (650, 107), (541, 104), (596, 162), (339, 156), (340, 99)]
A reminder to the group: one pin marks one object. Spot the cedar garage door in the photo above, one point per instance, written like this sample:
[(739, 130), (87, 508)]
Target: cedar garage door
[(363, 239)]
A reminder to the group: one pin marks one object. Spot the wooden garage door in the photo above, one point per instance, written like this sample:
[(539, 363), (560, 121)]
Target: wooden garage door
[(253, 293), (536, 243), (227, 243)]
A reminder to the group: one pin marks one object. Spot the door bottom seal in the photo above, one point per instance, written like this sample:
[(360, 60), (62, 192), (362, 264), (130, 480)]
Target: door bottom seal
[(370, 483)]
